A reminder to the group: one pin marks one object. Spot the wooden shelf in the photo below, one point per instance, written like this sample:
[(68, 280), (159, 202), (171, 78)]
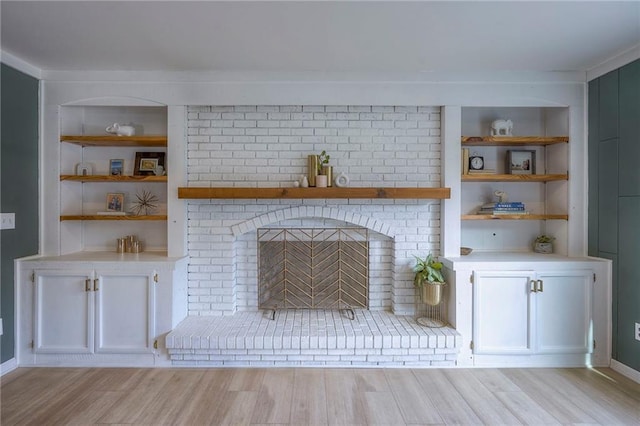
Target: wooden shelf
[(108, 217), (109, 178), (512, 178), (512, 140), (333, 192), (111, 140), (514, 217)]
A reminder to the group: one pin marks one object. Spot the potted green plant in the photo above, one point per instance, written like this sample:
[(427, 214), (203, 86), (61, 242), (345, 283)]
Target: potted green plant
[(429, 279), (543, 244)]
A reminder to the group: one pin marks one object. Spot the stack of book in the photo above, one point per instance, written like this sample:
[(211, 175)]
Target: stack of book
[(512, 208)]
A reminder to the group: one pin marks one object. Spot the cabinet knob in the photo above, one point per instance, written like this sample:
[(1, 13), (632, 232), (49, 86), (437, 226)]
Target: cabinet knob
[(95, 284), (534, 287), (87, 285), (540, 286)]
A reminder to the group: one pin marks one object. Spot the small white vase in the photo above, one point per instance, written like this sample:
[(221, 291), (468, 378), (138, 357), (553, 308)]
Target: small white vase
[(321, 181)]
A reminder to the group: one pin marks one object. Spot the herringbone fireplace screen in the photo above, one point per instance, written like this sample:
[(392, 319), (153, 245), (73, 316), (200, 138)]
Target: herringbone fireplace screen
[(315, 268)]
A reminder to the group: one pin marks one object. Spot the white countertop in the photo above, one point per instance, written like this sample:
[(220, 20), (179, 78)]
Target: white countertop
[(107, 256), (514, 258)]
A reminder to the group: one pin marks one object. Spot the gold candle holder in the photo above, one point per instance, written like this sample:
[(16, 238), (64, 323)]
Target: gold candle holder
[(328, 172), (312, 166)]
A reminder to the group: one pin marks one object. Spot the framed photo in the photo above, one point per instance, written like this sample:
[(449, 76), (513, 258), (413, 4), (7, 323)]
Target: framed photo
[(147, 162), (115, 167), (115, 202), (521, 162)]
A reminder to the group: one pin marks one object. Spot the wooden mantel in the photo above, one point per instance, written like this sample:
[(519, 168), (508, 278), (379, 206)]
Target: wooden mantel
[(301, 193)]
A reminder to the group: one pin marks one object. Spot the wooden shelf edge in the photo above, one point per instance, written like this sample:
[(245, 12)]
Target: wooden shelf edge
[(302, 193), (515, 217), (108, 217), (112, 140), (512, 140), (513, 178), (109, 178)]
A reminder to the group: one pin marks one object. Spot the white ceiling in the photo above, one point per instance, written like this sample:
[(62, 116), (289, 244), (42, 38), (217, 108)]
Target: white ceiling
[(322, 36)]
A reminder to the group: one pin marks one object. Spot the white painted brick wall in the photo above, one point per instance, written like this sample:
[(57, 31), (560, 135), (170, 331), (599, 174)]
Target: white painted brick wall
[(267, 146)]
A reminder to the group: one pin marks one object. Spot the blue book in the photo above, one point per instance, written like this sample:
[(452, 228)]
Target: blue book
[(509, 204)]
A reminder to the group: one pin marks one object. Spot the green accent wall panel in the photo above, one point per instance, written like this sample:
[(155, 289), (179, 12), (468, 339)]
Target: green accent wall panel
[(594, 140), (628, 293), (19, 186), (608, 106), (608, 196), (629, 129)]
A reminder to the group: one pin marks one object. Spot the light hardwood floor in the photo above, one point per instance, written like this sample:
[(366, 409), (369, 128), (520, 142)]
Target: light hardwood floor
[(318, 396)]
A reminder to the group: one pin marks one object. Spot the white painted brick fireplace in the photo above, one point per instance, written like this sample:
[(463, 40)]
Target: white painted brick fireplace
[(267, 146)]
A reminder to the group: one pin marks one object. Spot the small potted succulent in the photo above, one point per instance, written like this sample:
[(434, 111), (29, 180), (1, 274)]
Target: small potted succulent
[(429, 279), (543, 244)]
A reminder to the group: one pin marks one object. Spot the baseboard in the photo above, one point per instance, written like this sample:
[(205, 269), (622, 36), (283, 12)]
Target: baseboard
[(625, 371), (8, 366)]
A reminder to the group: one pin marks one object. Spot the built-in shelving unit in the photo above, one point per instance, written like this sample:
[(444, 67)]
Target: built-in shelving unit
[(85, 145), (542, 132), (301, 193)]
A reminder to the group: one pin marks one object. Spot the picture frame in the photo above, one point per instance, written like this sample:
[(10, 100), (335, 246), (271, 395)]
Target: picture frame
[(521, 162), (147, 162), (116, 167), (115, 202)]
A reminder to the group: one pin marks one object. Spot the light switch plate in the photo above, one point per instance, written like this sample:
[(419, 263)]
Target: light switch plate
[(7, 220)]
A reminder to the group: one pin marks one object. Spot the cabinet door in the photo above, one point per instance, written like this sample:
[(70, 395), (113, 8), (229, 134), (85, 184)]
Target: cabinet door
[(563, 311), (125, 315), (63, 312), (502, 312)]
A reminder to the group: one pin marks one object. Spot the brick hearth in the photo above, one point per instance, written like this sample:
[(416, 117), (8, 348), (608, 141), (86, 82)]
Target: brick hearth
[(311, 338)]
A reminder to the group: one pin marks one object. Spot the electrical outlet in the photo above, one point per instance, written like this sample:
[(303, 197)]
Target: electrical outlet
[(7, 220), (638, 331), (1, 329)]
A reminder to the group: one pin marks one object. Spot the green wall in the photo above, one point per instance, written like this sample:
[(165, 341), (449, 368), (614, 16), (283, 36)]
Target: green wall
[(18, 186), (614, 197)]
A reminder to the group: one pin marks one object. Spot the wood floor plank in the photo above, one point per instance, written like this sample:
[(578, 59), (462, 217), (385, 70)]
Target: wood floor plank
[(247, 379), (381, 409), (483, 402), (202, 408), (274, 397), (135, 401), (309, 402), (559, 405), (344, 405), (185, 396), (625, 406), (414, 402), (372, 380), (526, 409), (576, 394), (451, 406), (61, 389), (166, 406)]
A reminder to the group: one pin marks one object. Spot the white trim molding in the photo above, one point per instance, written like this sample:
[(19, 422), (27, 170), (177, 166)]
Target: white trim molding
[(8, 366), (20, 64), (625, 370), (614, 63)]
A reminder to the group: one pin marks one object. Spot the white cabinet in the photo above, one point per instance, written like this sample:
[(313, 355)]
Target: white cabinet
[(98, 308), (529, 309), (94, 311), (532, 312)]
